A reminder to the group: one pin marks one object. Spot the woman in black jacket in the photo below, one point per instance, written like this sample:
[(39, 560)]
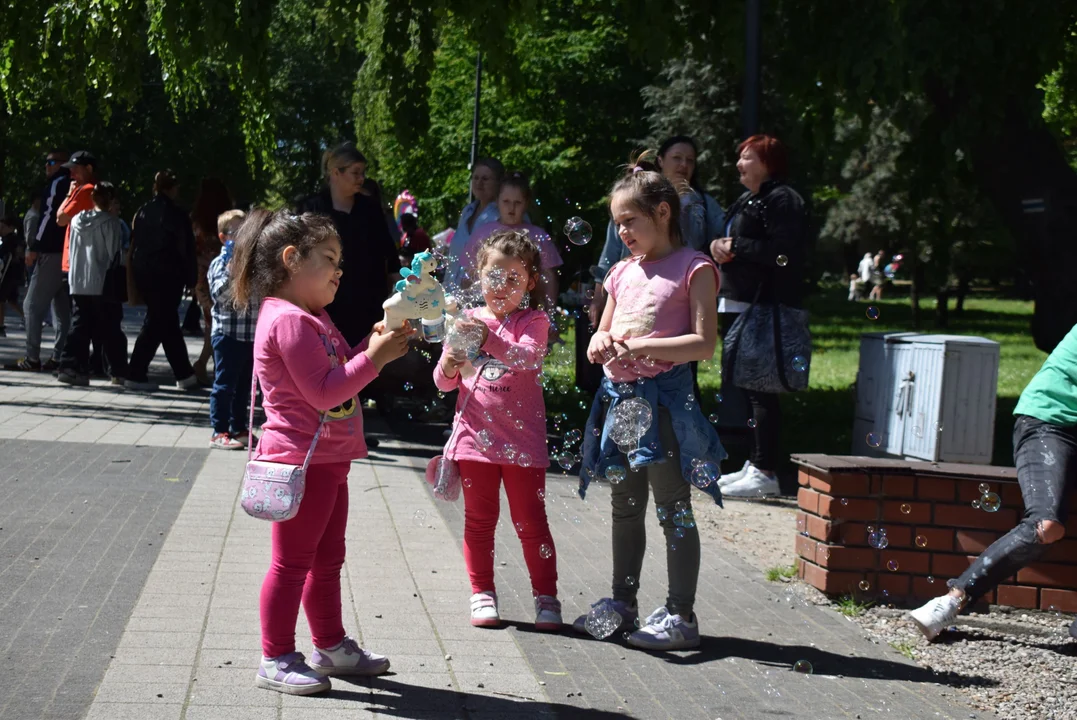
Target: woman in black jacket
[(162, 263), (761, 259)]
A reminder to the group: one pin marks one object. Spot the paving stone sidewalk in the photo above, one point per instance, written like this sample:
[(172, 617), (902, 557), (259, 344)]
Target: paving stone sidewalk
[(190, 646)]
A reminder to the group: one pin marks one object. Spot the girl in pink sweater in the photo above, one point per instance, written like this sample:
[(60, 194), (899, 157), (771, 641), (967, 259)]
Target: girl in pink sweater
[(500, 427), (307, 372)]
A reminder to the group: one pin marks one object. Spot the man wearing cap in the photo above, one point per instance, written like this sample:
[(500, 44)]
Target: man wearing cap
[(44, 252), (83, 168)]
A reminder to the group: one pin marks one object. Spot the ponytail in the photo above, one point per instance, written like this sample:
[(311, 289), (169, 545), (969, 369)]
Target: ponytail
[(243, 252)]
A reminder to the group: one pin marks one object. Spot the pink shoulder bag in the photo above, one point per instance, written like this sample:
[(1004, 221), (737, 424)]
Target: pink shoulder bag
[(272, 491)]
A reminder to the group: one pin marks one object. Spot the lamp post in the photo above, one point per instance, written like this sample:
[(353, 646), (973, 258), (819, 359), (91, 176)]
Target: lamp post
[(752, 75), (475, 118)]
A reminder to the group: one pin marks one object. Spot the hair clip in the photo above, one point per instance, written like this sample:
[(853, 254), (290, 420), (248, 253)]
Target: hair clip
[(636, 169)]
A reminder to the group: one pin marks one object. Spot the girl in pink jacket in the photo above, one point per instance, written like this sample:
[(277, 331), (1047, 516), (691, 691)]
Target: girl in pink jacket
[(500, 427)]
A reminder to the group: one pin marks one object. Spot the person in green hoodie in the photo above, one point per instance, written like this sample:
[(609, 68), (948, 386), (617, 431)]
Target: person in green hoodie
[(96, 247), (1045, 453)]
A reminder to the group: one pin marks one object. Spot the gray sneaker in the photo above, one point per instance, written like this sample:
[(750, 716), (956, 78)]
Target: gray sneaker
[(70, 377), (290, 674), (662, 631), (609, 615), (348, 659)]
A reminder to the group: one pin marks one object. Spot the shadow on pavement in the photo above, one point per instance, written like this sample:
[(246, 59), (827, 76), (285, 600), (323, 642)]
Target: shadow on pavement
[(823, 662), (403, 700)]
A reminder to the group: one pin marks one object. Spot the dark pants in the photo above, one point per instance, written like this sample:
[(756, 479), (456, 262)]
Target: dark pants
[(229, 400), (1046, 460), (161, 328), (766, 412), (98, 320)]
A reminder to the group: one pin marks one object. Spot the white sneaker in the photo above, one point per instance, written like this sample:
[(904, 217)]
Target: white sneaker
[(547, 613), (662, 631), (730, 478), (188, 383), (936, 615), (754, 484), (484, 609)]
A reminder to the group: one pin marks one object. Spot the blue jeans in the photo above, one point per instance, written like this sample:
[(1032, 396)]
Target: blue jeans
[(228, 402)]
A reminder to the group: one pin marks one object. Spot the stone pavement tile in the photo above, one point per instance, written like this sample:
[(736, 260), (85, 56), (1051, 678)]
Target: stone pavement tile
[(231, 657), (134, 711), (227, 712), (243, 695), (136, 692), (156, 656), (350, 711), (145, 674), (229, 641), (133, 639), (226, 676)]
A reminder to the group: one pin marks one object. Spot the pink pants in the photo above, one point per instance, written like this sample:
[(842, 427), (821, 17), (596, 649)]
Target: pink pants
[(308, 552), (526, 491)]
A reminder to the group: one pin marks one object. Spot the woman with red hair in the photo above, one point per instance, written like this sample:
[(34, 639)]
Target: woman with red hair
[(761, 259)]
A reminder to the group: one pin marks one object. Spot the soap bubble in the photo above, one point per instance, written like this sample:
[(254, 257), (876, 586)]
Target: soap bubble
[(596, 431), (541, 492), (976, 503), (782, 260), (625, 389), (984, 488), (524, 460), (878, 540), (632, 502), (408, 387), (487, 416), (930, 580), (865, 585), (803, 666), (578, 231), (572, 437), (419, 518), (751, 422), (484, 439), (800, 363), (518, 424), (713, 418), (921, 541), (684, 519), (510, 451), (630, 581), (662, 513), (689, 406), (906, 508), (602, 621), (990, 502), (704, 474), (679, 533), (872, 312), (892, 566), (918, 431), (630, 419), (718, 398), (566, 460), (545, 551), (845, 501), (615, 474), (466, 482), (873, 440)]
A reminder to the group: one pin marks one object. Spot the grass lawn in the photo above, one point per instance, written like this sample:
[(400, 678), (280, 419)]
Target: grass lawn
[(820, 419)]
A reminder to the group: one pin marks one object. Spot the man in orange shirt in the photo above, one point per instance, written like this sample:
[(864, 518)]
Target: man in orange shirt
[(83, 168)]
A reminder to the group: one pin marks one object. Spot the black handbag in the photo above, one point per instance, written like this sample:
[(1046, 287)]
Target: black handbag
[(768, 348), (115, 288)]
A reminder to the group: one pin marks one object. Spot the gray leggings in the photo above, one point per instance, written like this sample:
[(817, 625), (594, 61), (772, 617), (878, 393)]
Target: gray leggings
[(47, 286), (629, 500), (1046, 460)]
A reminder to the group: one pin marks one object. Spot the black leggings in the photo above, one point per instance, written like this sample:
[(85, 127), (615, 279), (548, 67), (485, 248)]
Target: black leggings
[(1046, 460), (766, 412)]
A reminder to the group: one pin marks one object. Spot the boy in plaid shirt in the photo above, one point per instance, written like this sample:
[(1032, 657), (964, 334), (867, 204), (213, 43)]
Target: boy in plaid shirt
[(232, 338)]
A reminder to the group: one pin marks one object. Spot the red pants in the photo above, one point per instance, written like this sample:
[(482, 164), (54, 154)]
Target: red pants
[(308, 552), (526, 491)]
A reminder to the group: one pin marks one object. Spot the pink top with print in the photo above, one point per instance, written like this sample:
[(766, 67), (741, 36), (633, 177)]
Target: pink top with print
[(500, 401), (305, 366), (652, 301), (547, 249)]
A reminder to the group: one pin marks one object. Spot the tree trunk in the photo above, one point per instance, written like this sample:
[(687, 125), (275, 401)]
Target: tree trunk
[(963, 280), (942, 307), (1023, 171)]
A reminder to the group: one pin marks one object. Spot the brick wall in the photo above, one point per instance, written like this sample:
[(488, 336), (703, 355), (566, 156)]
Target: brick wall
[(934, 533)]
